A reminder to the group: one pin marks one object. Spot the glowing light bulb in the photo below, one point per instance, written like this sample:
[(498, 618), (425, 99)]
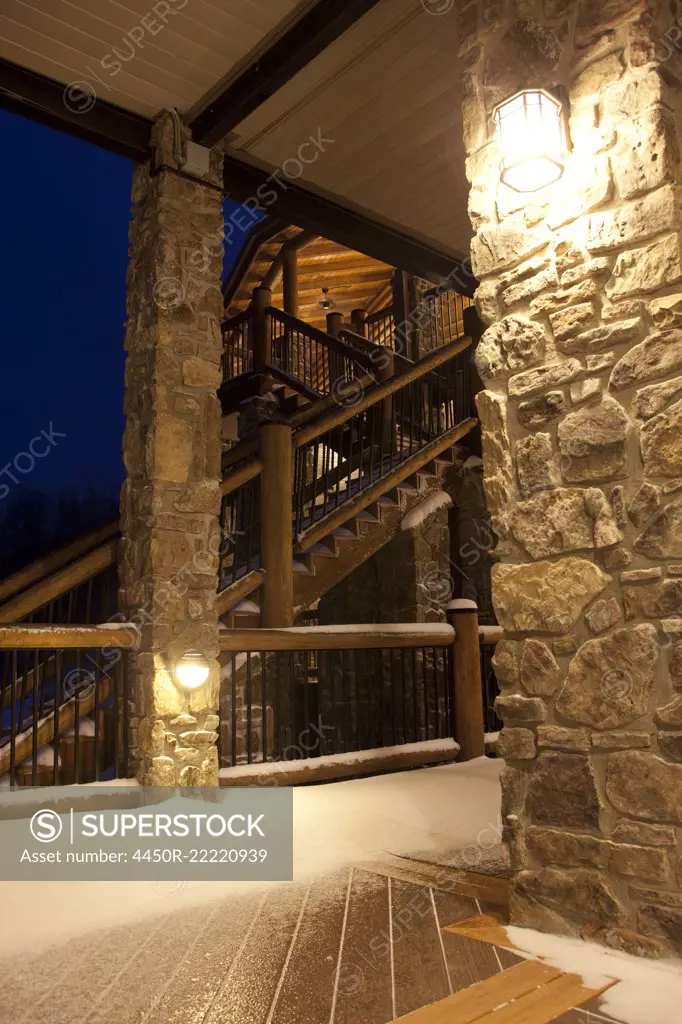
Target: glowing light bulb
[(191, 670), (531, 137)]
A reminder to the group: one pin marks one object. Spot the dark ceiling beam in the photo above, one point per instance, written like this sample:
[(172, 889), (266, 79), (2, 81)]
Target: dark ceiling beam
[(344, 225), (80, 114), (312, 33)]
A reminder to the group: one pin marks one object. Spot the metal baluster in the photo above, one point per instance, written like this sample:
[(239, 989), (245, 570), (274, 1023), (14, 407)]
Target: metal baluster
[(249, 707)]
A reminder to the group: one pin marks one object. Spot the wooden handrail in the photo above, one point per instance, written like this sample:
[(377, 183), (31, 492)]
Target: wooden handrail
[(50, 638), (236, 320), (294, 324), (372, 636), (240, 477), (237, 591), (59, 582), (291, 382), (373, 350), (240, 451), (490, 634), (340, 415), (77, 707), (42, 567), (342, 513), (328, 403)]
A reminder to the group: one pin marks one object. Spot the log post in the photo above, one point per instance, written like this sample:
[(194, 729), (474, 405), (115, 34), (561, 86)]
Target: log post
[(465, 680), (276, 537), (334, 324), (358, 319), (260, 326), (290, 280), (386, 370)]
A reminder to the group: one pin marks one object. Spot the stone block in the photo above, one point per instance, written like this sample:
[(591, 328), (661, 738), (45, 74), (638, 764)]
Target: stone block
[(547, 597), (645, 502), (554, 302), (639, 834), (624, 332), (514, 708), (498, 470), (499, 248), (621, 740), (658, 356), (523, 385), (670, 715), (534, 464), (661, 443), (570, 322), (653, 600), (662, 922), (641, 575), (650, 154), (662, 537), (563, 791), (666, 311), (558, 737), (583, 895), (597, 268), (643, 270), (670, 746), (516, 744), (562, 520), (610, 680), (539, 670), (651, 400), (172, 447), (634, 221), (592, 442), (596, 77), (526, 290), (645, 786), (505, 662), (583, 390), (511, 345), (603, 614), (541, 410)]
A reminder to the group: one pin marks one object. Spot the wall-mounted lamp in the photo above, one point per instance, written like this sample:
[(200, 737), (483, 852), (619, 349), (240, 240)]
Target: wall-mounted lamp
[(532, 140), (191, 670)]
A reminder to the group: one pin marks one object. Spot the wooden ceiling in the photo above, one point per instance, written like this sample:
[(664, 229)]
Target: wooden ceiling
[(355, 281)]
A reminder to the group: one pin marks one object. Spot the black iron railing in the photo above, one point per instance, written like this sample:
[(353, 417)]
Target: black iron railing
[(283, 705), (317, 360), (381, 327), (444, 319), (64, 710), (237, 345), (339, 463), (240, 533)]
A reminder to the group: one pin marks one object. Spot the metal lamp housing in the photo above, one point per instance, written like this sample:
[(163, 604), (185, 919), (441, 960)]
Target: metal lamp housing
[(532, 139)]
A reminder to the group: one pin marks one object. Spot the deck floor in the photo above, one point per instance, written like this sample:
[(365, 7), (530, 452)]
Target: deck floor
[(366, 945)]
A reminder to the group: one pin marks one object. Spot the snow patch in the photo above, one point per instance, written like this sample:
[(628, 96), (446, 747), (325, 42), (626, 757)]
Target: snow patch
[(648, 991), (418, 515), (444, 746)]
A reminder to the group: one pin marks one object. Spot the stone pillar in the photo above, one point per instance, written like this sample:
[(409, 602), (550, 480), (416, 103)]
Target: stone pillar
[(170, 501), (581, 289)]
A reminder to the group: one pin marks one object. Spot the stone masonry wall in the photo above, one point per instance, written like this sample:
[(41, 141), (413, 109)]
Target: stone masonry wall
[(170, 500), (581, 289)]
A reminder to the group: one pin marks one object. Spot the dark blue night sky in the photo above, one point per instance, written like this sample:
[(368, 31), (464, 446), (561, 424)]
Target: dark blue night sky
[(64, 238), (65, 211)]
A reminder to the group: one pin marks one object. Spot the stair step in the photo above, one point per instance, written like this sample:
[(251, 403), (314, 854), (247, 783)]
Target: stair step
[(303, 569), (322, 550), (344, 531), (385, 499)]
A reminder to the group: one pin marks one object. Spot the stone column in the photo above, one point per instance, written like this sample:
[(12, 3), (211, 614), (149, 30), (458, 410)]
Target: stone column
[(170, 501), (581, 289)]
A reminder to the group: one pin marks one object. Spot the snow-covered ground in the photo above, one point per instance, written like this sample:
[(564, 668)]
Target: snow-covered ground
[(648, 992), (428, 811)]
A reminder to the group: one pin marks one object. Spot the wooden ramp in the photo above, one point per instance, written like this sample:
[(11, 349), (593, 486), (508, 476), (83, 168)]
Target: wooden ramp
[(529, 993)]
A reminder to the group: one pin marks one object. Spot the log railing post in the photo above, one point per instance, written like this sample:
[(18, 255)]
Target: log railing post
[(290, 280), (466, 684), (276, 537), (260, 327), (358, 319), (336, 367), (386, 370)]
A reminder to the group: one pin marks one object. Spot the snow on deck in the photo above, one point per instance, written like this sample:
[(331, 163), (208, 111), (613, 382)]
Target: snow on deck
[(336, 824)]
